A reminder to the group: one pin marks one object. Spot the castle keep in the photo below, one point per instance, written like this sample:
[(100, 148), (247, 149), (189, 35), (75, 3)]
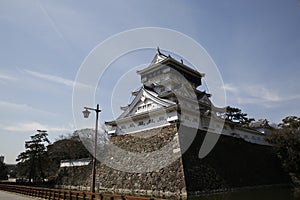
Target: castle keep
[(169, 94)]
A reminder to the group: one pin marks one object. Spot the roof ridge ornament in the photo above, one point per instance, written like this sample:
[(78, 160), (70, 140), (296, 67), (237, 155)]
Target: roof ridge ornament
[(159, 56), (158, 51)]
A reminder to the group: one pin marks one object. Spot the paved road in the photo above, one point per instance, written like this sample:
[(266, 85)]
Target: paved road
[(11, 196)]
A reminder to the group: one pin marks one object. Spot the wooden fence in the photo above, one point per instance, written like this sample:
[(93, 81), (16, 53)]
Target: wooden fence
[(55, 194)]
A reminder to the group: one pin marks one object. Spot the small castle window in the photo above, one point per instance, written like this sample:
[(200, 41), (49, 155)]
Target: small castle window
[(140, 123), (150, 121)]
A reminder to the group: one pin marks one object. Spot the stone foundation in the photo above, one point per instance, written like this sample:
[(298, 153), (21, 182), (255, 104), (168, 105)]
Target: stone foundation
[(232, 163)]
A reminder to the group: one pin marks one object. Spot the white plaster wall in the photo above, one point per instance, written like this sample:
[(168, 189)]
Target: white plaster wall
[(155, 121), (74, 163)]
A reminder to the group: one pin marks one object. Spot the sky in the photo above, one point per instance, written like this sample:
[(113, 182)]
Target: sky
[(255, 45)]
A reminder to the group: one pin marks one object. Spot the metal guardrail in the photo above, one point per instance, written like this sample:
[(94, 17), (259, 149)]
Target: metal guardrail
[(54, 194)]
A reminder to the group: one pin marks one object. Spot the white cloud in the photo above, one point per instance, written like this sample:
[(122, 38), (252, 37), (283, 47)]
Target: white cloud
[(257, 94), (55, 79), (51, 78), (33, 126), (50, 20), (229, 87), (5, 77), (263, 93), (21, 107)]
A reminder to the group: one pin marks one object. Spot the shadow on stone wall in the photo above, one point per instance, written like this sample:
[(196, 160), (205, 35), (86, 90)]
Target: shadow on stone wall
[(232, 163)]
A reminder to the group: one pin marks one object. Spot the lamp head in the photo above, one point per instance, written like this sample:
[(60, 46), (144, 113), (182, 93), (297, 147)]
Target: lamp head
[(86, 113)]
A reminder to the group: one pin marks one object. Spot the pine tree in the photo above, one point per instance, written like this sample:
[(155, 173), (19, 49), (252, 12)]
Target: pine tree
[(33, 161)]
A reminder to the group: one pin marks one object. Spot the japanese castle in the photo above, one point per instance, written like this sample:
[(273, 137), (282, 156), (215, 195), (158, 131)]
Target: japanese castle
[(168, 95)]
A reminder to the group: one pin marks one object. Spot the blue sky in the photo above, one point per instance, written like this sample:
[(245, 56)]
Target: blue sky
[(255, 45)]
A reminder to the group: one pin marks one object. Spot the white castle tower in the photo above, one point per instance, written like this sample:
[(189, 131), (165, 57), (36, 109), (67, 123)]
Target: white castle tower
[(169, 94), (168, 88)]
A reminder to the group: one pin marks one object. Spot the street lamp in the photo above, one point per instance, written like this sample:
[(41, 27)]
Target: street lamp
[(86, 114)]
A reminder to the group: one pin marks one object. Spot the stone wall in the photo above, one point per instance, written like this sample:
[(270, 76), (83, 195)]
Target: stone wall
[(168, 181), (232, 163)]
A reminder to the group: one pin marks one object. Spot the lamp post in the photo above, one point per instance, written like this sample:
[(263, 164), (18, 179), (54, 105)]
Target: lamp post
[(86, 114)]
